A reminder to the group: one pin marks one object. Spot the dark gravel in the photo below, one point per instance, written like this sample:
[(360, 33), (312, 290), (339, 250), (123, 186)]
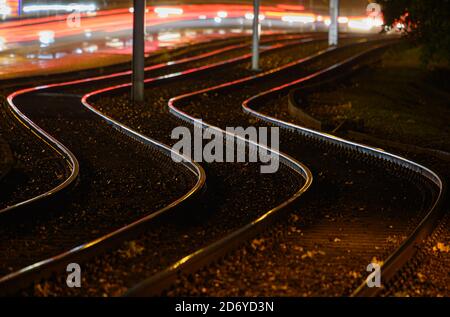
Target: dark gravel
[(113, 273), (154, 112), (220, 211), (427, 273), (35, 170), (6, 158), (120, 181), (58, 126), (208, 46), (266, 40), (343, 225)]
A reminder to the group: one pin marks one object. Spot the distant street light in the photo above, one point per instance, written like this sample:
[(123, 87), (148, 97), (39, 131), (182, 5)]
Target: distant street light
[(256, 29), (138, 62), (333, 31)]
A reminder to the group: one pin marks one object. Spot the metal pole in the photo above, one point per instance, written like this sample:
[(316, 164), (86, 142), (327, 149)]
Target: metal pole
[(138, 65), (333, 32), (256, 30)]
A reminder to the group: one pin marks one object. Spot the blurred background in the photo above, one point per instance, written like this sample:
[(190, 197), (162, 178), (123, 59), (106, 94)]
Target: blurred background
[(66, 35), (10, 9)]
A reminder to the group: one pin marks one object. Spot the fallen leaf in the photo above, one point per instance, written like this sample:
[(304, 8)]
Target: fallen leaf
[(441, 247)]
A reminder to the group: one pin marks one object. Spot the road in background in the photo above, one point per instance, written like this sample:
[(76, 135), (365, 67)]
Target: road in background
[(81, 40)]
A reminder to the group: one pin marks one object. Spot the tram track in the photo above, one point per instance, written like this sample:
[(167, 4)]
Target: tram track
[(149, 126), (111, 198), (220, 247), (233, 50), (431, 211), (52, 100), (391, 225)]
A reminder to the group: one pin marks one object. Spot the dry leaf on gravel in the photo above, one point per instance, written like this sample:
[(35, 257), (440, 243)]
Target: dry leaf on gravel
[(441, 247)]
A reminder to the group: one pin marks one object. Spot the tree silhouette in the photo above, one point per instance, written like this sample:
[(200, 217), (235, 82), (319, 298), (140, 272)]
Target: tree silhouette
[(427, 22)]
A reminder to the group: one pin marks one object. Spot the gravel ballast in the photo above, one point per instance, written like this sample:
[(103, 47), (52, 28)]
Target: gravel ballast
[(220, 211), (36, 169), (120, 181), (343, 225)]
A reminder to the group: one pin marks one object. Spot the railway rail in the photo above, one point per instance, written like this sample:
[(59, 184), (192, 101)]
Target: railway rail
[(173, 90), (158, 59), (398, 167), (26, 99), (155, 70), (69, 215), (155, 57), (396, 260), (222, 247), (152, 128)]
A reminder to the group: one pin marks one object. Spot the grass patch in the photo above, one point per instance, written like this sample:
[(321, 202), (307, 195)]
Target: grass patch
[(398, 99)]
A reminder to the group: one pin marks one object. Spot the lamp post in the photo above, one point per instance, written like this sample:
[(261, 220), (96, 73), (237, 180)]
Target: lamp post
[(256, 29), (138, 62), (333, 31)]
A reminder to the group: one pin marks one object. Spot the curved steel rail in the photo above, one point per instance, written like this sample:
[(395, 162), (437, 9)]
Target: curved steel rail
[(205, 255), (106, 241), (11, 83), (212, 252), (63, 152), (36, 269), (405, 251), (195, 260), (117, 69), (54, 145), (190, 263), (27, 273)]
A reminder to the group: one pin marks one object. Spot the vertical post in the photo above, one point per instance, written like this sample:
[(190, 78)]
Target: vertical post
[(138, 65), (256, 29), (311, 9), (19, 8), (333, 32)]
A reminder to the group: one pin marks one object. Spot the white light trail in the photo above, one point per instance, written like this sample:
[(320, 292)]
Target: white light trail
[(164, 12), (60, 7), (298, 18)]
